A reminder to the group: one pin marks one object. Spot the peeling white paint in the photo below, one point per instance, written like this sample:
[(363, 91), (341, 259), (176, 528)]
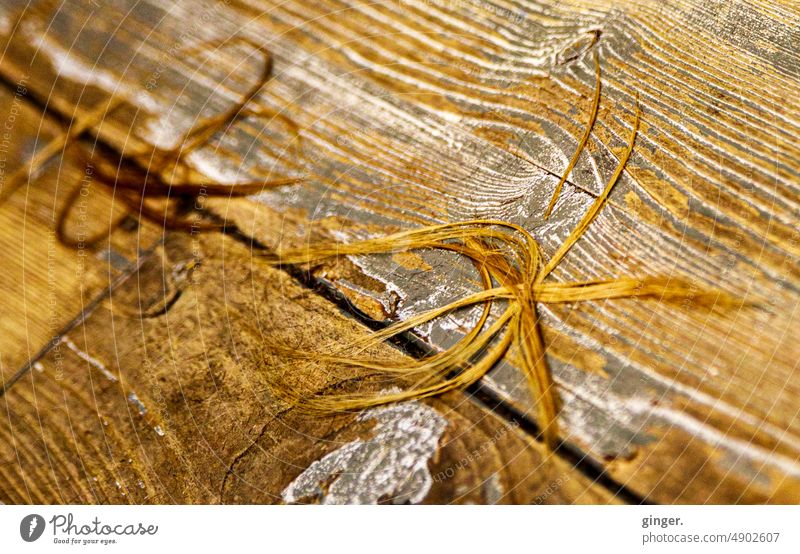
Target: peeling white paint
[(393, 464), (493, 490), (140, 407)]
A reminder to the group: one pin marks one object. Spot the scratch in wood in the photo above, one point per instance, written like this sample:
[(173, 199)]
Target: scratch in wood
[(94, 362)]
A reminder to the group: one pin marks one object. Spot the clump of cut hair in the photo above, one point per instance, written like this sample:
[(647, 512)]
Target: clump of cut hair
[(512, 267), (513, 271), (153, 175), (152, 183)]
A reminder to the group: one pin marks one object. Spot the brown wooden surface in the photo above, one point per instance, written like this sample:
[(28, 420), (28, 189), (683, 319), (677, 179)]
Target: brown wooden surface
[(414, 112), (176, 406), (46, 286)]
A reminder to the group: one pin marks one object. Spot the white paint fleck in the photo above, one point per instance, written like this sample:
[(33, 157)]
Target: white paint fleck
[(38, 367), (393, 464), (159, 431), (133, 399), (493, 490), (94, 362)]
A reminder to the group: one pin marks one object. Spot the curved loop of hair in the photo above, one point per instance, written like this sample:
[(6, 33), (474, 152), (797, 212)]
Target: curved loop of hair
[(510, 263)]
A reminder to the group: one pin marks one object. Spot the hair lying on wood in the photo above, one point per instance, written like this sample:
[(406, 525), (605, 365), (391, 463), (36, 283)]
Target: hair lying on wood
[(512, 270), (139, 179), (509, 261), (587, 132), (158, 167)]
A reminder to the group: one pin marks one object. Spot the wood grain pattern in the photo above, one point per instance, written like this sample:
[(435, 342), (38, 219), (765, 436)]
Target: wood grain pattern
[(44, 285), (417, 112), (176, 407)]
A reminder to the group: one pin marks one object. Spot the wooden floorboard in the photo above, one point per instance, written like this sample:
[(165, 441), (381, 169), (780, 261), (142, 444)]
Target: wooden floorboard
[(44, 284), (420, 112), (177, 408)]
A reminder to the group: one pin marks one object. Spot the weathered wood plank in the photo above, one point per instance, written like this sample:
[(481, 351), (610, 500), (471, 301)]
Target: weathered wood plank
[(410, 113), (176, 407), (44, 284)]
